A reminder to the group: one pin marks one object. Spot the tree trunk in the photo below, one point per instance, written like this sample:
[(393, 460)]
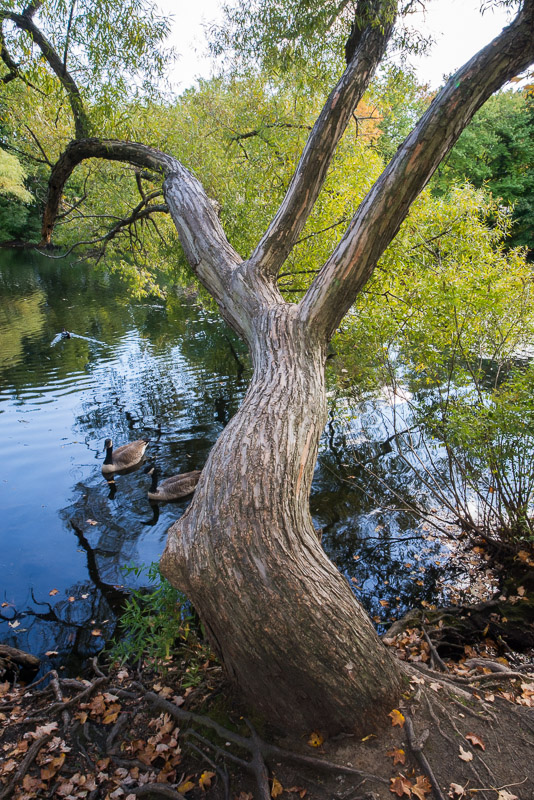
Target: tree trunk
[(283, 619)]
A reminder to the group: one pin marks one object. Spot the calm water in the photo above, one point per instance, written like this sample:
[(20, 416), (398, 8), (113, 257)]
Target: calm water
[(174, 372)]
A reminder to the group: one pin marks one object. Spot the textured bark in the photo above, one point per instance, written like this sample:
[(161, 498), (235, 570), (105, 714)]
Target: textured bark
[(283, 619)]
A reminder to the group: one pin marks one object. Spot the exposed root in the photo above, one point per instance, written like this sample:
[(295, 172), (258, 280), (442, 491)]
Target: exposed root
[(30, 757), (416, 746)]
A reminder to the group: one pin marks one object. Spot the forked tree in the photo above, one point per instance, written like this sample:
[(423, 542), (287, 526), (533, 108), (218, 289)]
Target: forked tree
[(283, 620)]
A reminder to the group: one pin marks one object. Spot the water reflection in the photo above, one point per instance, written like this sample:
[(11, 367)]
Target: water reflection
[(176, 374)]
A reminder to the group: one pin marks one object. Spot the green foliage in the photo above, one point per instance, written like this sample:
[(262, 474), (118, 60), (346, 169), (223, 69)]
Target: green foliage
[(154, 623), (437, 335), (114, 50), (400, 101), (497, 151), (12, 177), (304, 38), (17, 216), (489, 436)]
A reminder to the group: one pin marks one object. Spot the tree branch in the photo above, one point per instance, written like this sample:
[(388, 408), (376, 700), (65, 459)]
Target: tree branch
[(382, 211), (25, 22), (311, 171), (210, 255)]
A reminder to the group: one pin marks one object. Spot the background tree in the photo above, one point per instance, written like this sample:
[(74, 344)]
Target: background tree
[(497, 151), (282, 618)]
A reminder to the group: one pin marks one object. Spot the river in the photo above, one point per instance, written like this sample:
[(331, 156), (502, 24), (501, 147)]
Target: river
[(172, 371)]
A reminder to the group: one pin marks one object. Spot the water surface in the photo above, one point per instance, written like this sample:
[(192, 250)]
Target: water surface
[(174, 372)]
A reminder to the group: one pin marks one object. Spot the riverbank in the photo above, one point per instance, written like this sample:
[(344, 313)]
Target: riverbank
[(120, 733)]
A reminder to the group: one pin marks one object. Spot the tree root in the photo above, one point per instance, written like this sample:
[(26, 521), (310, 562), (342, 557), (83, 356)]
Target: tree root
[(261, 751), (416, 746), (155, 790), (30, 757)]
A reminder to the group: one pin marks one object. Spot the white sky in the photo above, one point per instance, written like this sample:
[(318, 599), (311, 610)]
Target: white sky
[(457, 26)]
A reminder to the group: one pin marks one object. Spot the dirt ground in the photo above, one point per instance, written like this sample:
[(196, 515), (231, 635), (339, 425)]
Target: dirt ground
[(464, 733)]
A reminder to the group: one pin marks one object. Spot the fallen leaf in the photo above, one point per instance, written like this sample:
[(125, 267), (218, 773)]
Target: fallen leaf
[(397, 718), (456, 791), (96, 632), (504, 795), (91, 521), (400, 785), (53, 592), (398, 756), (186, 786), (315, 739), (42, 730), (422, 787), (475, 740), (205, 780), (465, 755), (51, 653), (300, 790), (276, 788)]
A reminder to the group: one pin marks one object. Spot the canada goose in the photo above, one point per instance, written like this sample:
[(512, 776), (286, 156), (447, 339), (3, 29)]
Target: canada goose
[(128, 455), (172, 488)]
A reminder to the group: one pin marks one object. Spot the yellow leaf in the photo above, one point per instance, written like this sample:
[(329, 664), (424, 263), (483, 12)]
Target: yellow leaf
[(276, 788), (315, 739), (205, 780), (186, 786), (397, 718)]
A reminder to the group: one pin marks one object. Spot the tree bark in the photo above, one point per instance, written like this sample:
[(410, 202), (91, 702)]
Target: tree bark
[(284, 621), (282, 618)]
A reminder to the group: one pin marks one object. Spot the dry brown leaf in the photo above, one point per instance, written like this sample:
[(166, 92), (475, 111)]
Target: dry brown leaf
[(53, 592), (400, 785), (504, 795), (397, 718), (398, 756), (276, 788), (465, 755), (298, 790), (42, 730), (422, 787), (456, 791), (475, 740)]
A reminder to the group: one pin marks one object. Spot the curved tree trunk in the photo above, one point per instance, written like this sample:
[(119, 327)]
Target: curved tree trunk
[(284, 621)]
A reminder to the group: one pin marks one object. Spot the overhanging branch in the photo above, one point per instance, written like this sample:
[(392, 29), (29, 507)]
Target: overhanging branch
[(210, 255)]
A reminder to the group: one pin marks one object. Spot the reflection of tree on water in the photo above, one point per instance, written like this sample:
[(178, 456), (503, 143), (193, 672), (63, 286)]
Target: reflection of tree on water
[(392, 560)]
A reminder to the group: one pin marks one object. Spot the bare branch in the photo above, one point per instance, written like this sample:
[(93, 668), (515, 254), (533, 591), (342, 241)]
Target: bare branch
[(381, 213), (285, 229)]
